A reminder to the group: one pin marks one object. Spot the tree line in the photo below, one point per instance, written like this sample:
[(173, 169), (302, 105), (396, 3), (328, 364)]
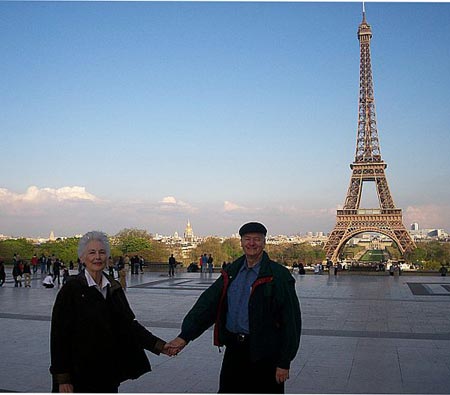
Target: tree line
[(140, 242), (429, 255)]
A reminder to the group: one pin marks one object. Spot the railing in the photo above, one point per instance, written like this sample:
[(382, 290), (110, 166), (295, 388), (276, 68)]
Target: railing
[(370, 211)]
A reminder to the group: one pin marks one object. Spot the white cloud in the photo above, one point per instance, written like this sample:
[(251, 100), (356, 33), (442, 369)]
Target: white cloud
[(230, 206), (170, 203), (169, 200), (43, 195)]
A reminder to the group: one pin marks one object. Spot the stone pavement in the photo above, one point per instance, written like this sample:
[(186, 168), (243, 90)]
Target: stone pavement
[(361, 334)]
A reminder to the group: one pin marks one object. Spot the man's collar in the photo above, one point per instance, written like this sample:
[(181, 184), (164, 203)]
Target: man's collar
[(255, 266)]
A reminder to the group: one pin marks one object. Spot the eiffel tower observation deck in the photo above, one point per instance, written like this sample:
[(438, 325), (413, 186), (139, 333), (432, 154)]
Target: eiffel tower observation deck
[(368, 166)]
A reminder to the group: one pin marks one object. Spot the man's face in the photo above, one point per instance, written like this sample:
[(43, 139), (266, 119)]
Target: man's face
[(253, 244)]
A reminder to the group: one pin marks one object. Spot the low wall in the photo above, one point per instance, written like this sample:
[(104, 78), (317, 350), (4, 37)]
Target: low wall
[(164, 267), (375, 273)]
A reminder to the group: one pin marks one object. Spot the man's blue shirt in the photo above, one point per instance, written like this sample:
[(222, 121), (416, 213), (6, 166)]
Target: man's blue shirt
[(238, 296)]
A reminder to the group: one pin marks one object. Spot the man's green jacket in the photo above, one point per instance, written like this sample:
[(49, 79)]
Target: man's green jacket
[(273, 308)]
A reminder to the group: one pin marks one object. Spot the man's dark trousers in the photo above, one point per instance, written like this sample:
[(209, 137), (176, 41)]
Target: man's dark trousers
[(240, 375)]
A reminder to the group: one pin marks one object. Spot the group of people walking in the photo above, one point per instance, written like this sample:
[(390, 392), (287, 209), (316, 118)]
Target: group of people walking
[(21, 271), (52, 270), (206, 263)]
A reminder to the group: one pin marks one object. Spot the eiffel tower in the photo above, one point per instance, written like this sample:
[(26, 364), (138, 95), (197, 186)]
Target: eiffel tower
[(368, 166)]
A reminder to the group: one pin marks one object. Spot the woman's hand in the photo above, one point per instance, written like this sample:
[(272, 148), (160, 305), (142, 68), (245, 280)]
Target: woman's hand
[(281, 375), (175, 346), (66, 388)]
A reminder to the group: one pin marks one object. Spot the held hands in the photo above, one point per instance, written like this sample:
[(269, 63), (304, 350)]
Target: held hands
[(174, 346)]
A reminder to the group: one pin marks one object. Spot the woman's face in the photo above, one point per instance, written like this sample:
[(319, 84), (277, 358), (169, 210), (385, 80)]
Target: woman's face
[(95, 257)]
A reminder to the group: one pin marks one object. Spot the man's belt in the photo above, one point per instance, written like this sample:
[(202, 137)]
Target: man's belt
[(240, 338)]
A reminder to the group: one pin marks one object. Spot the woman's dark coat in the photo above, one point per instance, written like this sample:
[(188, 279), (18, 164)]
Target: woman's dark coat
[(94, 340)]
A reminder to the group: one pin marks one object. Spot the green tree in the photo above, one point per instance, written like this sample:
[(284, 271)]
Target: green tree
[(232, 249), (65, 250), (288, 253), (158, 252), (139, 242), (132, 241), (23, 247), (430, 254), (213, 246)]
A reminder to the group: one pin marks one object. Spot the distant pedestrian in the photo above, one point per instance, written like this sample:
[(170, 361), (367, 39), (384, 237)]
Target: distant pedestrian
[(65, 275), (337, 267), (34, 263), (123, 277), (443, 270), (43, 262), (111, 267), (17, 275), (141, 264), (48, 281), (126, 262), (210, 263), (50, 262), (301, 268), (79, 265), (317, 268), (204, 263), (172, 264), (57, 270), (329, 266), (2, 273), (134, 261), (27, 274)]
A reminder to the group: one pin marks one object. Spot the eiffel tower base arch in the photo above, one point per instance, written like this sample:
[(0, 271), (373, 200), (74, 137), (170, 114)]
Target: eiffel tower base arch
[(349, 223)]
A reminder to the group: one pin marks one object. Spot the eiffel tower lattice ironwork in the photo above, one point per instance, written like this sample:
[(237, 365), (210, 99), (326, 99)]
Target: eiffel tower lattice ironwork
[(368, 166)]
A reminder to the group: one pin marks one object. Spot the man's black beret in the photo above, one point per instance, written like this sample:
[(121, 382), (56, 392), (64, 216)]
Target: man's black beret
[(252, 227)]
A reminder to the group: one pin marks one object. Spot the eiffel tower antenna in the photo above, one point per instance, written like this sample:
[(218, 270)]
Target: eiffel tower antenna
[(367, 167)]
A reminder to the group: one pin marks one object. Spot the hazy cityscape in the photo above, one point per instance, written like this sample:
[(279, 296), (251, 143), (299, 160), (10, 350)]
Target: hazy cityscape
[(188, 236)]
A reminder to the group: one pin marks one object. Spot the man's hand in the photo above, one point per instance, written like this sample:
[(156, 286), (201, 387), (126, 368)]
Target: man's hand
[(281, 375), (169, 350), (174, 346)]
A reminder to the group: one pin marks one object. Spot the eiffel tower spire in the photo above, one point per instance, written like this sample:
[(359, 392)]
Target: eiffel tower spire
[(367, 167), (367, 144)]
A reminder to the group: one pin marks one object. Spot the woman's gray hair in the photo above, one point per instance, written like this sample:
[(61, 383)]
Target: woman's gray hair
[(93, 236)]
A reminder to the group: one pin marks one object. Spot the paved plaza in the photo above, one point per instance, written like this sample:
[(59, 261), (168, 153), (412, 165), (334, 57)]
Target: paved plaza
[(361, 334)]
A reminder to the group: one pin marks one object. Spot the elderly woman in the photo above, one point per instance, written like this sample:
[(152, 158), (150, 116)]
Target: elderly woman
[(95, 341)]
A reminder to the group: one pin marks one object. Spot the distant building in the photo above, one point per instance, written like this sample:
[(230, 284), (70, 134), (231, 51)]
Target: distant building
[(426, 234), (189, 233)]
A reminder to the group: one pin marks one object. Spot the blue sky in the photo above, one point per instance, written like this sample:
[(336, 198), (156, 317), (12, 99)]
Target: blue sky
[(147, 114)]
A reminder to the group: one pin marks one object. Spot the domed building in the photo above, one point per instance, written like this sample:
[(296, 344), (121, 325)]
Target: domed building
[(189, 233)]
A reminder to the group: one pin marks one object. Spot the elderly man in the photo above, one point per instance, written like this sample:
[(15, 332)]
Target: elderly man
[(256, 313)]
